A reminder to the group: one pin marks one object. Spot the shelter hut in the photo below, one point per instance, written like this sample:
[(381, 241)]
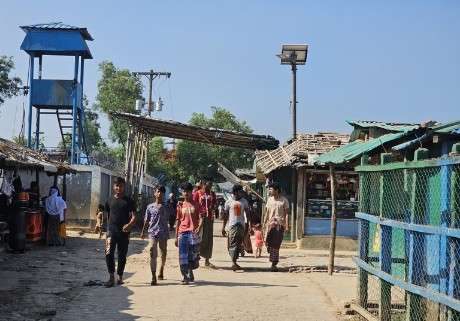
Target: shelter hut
[(19, 166), (306, 185), (371, 138), (408, 263)]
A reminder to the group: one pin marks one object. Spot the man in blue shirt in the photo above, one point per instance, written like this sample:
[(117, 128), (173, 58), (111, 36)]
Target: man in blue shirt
[(156, 218)]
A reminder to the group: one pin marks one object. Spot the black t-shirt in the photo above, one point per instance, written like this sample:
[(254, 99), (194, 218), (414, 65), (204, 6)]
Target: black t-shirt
[(119, 210)]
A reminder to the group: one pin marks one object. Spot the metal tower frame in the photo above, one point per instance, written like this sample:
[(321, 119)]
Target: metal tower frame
[(64, 98)]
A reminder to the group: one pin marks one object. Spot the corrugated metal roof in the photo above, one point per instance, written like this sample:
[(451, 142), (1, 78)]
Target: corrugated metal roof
[(394, 127), (448, 128), (451, 128), (58, 26), (355, 149)]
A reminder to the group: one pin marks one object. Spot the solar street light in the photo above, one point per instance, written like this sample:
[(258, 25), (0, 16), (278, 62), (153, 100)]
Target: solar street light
[(294, 54)]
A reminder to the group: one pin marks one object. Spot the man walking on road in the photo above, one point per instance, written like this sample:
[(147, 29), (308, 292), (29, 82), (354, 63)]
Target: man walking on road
[(187, 239), (156, 218), (121, 219), (206, 200), (235, 210), (276, 222)]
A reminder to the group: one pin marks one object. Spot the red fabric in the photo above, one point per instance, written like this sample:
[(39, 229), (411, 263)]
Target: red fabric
[(206, 202), (258, 238), (188, 216)]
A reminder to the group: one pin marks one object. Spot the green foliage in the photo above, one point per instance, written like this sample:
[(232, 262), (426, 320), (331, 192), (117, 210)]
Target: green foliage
[(9, 86), (191, 160), (91, 127), (197, 160), (118, 90)]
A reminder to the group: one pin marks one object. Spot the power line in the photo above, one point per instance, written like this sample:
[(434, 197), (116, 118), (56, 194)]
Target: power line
[(151, 75)]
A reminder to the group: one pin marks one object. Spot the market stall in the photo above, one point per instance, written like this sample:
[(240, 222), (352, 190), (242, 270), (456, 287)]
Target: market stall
[(21, 213)]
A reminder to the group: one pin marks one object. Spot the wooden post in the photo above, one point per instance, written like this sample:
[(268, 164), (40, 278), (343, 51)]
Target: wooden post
[(330, 267), (292, 223), (363, 237), (128, 151), (301, 201), (416, 309), (385, 241)]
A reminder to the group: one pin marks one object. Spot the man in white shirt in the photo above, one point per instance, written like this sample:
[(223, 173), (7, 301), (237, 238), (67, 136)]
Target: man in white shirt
[(275, 222), (235, 211)]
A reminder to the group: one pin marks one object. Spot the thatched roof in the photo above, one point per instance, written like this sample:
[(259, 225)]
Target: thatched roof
[(13, 155), (302, 151), (173, 129)]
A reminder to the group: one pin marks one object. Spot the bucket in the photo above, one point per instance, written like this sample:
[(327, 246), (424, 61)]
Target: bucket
[(23, 197), (34, 222)]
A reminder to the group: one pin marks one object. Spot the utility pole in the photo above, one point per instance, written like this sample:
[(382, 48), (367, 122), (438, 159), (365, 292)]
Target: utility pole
[(151, 75)]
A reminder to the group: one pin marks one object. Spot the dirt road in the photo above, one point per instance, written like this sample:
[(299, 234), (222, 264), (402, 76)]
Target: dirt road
[(48, 284)]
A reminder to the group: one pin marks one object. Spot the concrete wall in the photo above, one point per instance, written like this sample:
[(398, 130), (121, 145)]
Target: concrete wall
[(91, 186)]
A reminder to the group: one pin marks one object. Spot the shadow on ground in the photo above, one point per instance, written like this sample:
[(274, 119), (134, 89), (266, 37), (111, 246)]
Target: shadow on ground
[(44, 281)]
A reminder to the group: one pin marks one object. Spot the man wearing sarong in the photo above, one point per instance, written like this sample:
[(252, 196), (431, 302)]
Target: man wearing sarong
[(275, 222), (187, 239), (156, 219), (247, 244), (235, 211), (207, 201)]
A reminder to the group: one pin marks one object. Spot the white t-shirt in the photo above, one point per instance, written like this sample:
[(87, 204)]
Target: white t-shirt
[(276, 208), (236, 210)]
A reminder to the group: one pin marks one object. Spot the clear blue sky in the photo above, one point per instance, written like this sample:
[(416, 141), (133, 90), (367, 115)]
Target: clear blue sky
[(389, 61)]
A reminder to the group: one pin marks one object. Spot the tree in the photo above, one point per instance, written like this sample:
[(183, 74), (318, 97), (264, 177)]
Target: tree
[(118, 90), (198, 160), (9, 86)]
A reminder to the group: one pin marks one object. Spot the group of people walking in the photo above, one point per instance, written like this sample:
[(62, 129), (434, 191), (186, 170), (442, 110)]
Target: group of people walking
[(194, 221)]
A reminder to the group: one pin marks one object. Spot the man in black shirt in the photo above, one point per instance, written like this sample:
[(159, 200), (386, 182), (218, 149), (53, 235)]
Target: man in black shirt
[(121, 219)]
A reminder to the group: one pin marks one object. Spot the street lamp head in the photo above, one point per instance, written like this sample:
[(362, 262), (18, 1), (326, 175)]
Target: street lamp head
[(293, 54)]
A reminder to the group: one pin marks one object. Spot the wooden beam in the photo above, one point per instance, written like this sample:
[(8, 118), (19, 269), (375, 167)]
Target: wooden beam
[(363, 312)]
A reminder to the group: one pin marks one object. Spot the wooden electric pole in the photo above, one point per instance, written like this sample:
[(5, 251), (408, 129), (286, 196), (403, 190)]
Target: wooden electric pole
[(151, 75)]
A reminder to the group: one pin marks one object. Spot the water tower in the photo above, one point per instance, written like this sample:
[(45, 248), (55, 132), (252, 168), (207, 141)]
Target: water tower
[(60, 97)]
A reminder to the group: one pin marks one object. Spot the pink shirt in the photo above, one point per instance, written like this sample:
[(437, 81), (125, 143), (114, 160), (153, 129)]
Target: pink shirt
[(258, 238)]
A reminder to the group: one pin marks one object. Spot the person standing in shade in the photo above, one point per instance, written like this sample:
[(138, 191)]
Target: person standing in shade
[(235, 213), (156, 218), (171, 206), (206, 200), (275, 223), (121, 218), (187, 240)]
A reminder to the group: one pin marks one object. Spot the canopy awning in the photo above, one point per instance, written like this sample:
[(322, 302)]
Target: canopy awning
[(173, 129)]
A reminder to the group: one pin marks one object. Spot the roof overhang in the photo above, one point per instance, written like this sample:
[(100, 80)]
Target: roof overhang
[(213, 136)]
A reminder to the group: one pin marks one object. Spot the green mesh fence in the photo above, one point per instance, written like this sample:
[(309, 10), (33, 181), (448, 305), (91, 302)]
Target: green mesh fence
[(417, 195)]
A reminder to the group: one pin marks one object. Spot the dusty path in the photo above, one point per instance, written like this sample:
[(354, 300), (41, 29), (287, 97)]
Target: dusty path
[(56, 290)]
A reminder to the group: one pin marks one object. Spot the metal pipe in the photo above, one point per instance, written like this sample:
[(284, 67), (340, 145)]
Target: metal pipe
[(37, 129), (40, 67), (73, 150), (81, 111), (29, 130)]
